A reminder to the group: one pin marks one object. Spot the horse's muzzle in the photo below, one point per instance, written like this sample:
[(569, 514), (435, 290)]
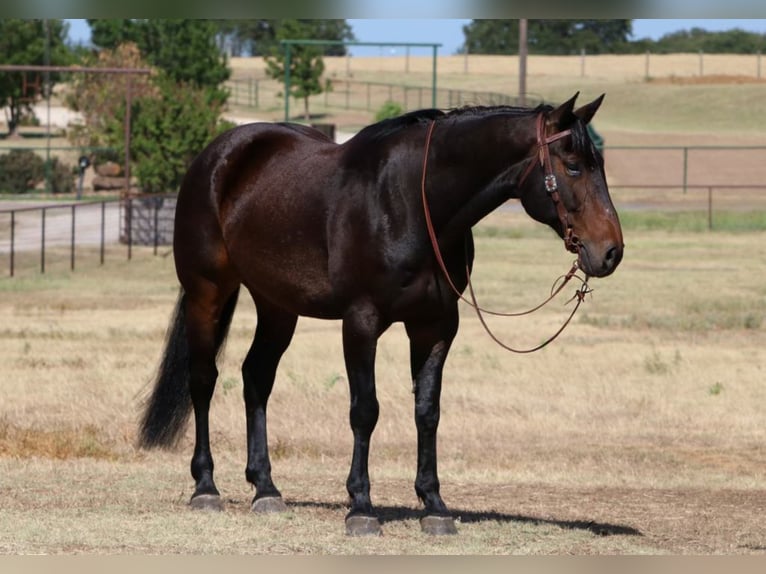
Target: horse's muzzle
[(599, 261)]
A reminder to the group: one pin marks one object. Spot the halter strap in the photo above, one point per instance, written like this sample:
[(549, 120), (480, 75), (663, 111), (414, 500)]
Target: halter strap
[(579, 294), (571, 241)]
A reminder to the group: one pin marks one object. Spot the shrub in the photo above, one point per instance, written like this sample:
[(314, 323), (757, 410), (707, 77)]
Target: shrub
[(20, 171), (388, 110), (62, 179), (170, 130)]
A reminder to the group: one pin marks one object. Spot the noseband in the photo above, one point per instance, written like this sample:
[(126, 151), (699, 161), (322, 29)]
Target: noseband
[(571, 241)]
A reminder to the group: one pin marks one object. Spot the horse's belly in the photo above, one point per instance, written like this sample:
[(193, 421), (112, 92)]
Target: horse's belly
[(295, 286)]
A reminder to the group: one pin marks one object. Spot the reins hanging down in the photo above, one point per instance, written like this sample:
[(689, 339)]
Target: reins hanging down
[(571, 241)]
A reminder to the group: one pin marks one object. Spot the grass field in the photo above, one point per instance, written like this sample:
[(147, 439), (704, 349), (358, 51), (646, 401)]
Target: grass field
[(641, 430)]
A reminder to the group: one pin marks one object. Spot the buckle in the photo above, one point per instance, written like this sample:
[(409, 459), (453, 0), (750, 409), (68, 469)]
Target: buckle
[(551, 184)]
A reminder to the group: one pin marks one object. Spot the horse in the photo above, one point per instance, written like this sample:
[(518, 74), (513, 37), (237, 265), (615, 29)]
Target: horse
[(341, 231)]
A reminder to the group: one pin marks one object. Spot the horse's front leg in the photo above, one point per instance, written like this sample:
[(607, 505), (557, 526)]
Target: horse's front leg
[(361, 329), (429, 344)]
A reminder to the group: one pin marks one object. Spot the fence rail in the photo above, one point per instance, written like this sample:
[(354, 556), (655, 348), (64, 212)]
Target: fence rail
[(260, 93), (32, 236)]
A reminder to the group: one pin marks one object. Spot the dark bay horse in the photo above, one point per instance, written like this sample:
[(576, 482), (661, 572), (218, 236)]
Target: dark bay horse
[(314, 228)]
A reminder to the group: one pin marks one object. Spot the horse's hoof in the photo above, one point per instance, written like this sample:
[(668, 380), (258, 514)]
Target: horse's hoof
[(211, 502), (438, 525), (360, 525), (268, 505)]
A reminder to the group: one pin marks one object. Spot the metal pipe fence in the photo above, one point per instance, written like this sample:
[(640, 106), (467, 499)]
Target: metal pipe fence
[(63, 235), (262, 93)]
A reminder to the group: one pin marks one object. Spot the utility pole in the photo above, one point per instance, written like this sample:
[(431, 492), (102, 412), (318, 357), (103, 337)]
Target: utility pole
[(523, 62)]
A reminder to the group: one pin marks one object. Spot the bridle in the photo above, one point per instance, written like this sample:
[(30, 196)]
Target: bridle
[(571, 241)]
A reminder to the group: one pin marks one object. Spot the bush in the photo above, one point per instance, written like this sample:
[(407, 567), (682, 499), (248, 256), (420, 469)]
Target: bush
[(20, 171), (388, 110), (170, 130), (62, 179)]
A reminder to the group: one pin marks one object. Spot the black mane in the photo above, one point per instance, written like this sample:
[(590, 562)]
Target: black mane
[(388, 127), (580, 140)]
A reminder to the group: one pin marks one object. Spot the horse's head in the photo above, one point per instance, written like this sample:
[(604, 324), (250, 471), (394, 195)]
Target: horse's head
[(565, 187)]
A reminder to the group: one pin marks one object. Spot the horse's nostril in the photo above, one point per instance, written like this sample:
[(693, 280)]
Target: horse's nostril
[(612, 258)]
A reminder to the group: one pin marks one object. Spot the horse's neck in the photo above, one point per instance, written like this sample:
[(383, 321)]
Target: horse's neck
[(476, 177)]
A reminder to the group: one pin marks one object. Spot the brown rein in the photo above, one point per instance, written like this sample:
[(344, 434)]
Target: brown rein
[(570, 239)]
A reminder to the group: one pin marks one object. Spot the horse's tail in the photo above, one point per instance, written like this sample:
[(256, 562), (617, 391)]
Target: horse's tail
[(168, 406)]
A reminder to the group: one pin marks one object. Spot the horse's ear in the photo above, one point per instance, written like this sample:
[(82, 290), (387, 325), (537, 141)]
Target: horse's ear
[(586, 112), (563, 116)]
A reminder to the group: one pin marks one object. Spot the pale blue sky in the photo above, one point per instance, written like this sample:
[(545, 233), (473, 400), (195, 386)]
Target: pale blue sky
[(449, 33)]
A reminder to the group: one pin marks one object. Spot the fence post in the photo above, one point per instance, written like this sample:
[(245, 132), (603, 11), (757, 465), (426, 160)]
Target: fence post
[(71, 249), (369, 103), (103, 228), (702, 66), (13, 240), (42, 241), (129, 221), (582, 62), (646, 66), (348, 95), (156, 223)]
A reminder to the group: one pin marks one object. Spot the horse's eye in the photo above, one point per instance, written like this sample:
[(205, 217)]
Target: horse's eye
[(573, 169)]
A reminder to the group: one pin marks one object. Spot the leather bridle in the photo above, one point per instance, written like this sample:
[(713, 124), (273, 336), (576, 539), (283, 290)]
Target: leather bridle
[(571, 241)]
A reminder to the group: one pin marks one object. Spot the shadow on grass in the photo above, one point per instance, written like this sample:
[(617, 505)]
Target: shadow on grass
[(396, 513)]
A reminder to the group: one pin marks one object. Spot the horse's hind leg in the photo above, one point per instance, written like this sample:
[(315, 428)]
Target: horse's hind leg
[(272, 336), (208, 313), (429, 345)]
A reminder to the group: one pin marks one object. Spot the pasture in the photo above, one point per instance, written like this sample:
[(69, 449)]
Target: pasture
[(641, 430)]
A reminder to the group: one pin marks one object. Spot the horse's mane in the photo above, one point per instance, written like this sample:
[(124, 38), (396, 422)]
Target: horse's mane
[(384, 129), (391, 126)]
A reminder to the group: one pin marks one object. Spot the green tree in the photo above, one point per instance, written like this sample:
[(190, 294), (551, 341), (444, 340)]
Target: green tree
[(306, 64), (177, 114), (186, 50), (258, 37), (734, 41), (169, 129), (110, 34), (100, 98), (23, 42), (548, 36)]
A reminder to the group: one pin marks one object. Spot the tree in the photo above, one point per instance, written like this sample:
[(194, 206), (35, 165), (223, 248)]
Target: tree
[(169, 130), (547, 36), (259, 37), (100, 98), (110, 34), (306, 65), (176, 113), (186, 50), (23, 42), (734, 41)]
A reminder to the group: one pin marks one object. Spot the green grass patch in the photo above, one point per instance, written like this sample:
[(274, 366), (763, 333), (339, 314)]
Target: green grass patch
[(693, 221)]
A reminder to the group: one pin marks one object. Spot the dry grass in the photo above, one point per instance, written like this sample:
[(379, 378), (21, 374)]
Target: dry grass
[(640, 431)]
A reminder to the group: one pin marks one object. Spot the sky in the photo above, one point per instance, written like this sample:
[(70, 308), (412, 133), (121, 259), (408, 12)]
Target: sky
[(449, 33)]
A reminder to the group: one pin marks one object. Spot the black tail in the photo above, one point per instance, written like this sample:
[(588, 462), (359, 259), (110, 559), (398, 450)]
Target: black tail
[(167, 408)]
